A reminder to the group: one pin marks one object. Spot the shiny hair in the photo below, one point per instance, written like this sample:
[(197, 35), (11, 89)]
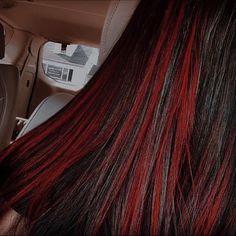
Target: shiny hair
[(148, 146)]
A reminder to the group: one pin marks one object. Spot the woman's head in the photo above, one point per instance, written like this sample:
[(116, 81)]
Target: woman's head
[(148, 146)]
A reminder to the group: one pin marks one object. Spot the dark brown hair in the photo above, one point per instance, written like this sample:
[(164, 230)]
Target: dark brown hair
[(148, 146)]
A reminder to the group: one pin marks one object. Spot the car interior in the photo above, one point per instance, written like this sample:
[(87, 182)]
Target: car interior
[(48, 51)]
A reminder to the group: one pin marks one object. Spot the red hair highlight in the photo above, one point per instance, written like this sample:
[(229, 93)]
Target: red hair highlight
[(147, 147)]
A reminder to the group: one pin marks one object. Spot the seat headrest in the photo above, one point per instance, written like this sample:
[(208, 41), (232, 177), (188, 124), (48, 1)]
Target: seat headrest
[(117, 18), (2, 42)]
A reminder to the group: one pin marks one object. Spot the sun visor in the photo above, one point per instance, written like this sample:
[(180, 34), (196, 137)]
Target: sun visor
[(2, 42)]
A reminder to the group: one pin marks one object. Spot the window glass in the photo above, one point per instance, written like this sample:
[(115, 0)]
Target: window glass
[(70, 66)]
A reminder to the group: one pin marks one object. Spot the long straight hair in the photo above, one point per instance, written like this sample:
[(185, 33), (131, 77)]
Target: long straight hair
[(148, 146)]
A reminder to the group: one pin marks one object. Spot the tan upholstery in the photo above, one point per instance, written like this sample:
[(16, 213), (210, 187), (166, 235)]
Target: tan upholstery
[(9, 87), (46, 109), (69, 21), (2, 42), (117, 18)]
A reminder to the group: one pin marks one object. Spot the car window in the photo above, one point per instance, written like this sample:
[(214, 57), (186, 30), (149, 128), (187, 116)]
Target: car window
[(72, 66)]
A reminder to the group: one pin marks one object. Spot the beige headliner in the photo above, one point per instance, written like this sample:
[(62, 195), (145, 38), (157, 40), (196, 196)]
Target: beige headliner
[(78, 21)]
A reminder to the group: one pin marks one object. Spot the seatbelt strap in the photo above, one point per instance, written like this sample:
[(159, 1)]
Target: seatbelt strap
[(26, 60)]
